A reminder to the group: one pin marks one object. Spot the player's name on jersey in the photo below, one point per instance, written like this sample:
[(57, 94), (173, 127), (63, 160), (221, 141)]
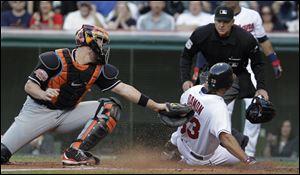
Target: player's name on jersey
[(197, 106)]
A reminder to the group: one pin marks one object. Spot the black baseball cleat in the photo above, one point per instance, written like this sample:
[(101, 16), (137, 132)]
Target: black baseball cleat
[(5, 155), (77, 157)]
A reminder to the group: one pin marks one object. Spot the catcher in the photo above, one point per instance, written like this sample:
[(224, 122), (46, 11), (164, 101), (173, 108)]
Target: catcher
[(198, 141), (55, 89)]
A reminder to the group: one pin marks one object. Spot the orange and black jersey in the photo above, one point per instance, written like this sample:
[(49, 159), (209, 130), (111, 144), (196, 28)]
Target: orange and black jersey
[(59, 70)]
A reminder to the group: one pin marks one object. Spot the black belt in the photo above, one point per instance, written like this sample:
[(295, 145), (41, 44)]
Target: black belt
[(207, 157), (196, 156)]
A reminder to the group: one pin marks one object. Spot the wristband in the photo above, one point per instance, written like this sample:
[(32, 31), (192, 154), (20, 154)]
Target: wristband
[(196, 74), (276, 63), (143, 100), (247, 160), (196, 70), (250, 160), (272, 57)]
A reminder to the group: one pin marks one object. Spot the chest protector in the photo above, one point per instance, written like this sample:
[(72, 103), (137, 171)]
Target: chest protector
[(74, 80)]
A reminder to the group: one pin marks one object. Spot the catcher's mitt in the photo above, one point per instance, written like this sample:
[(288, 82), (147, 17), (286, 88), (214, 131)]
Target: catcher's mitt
[(177, 114), (260, 111)]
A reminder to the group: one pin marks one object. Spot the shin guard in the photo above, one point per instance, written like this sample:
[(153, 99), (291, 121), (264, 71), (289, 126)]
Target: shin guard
[(103, 123)]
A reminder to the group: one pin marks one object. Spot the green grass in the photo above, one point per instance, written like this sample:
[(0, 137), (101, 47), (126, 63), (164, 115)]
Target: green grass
[(296, 163)]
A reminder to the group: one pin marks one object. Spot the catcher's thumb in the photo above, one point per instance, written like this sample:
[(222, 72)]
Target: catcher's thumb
[(167, 104), (163, 108)]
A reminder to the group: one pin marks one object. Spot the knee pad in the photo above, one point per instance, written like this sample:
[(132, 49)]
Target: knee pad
[(5, 154), (103, 123)]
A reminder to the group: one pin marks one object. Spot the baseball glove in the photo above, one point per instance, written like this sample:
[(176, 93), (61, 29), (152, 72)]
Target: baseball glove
[(260, 111), (177, 114)]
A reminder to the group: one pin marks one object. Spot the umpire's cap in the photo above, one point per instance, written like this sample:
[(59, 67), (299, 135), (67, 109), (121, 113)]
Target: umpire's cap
[(224, 13), (220, 76)]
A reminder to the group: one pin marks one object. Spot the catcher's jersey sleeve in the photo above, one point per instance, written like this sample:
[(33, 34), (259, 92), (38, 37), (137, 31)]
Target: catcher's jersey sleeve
[(106, 84), (46, 68)]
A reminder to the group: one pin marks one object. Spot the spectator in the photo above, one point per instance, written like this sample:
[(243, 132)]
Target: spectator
[(270, 21), (284, 145), (122, 18), (5, 6), (174, 8), (32, 6), (156, 19), (293, 26), (67, 7), (206, 6), (143, 6), (284, 10), (85, 15), (45, 18), (105, 7), (56, 5), (212, 5), (133, 10), (193, 18), (18, 17), (254, 5)]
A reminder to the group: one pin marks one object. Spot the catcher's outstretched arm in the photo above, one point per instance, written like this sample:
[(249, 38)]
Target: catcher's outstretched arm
[(133, 95)]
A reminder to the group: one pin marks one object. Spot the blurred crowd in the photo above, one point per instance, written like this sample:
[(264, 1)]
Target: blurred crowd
[(277, 16), (283, 142)]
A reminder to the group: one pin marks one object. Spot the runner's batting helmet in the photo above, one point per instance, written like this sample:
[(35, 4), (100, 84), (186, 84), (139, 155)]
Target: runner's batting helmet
[(88, 35), (220, 76)]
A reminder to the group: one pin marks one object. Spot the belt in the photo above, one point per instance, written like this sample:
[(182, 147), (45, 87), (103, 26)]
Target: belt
[(196, 156), (201, 157)]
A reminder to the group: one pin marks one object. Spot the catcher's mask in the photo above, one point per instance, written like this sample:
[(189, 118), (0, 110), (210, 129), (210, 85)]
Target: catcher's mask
[(89, 35), (260, 110)]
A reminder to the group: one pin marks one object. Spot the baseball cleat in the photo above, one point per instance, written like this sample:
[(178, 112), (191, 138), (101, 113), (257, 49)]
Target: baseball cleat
[(170, 152), (5, 155), (77, 157)]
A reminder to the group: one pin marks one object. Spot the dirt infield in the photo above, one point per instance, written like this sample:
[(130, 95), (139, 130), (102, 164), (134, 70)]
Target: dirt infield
[(141, 160)]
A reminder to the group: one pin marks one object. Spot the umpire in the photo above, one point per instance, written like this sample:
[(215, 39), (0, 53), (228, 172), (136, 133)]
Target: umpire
[(223, 41)]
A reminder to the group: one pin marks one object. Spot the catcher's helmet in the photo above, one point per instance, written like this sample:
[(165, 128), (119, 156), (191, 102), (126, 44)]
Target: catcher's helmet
[(220, 76), (260, 110), (88, 35)]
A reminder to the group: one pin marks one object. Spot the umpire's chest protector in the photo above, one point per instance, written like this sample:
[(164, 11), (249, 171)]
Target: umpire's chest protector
[(74, 80)]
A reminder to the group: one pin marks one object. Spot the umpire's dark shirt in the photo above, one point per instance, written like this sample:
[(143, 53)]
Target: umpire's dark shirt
[(234, 50)]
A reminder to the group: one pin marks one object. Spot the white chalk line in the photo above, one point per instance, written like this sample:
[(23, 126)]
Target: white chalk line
[(101, 168)]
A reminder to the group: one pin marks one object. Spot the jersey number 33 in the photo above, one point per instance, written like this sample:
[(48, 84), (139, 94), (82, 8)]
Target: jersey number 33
[(193, 130)]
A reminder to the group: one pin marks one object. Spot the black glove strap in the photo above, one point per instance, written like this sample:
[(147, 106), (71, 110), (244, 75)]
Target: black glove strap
[(143, 100)]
